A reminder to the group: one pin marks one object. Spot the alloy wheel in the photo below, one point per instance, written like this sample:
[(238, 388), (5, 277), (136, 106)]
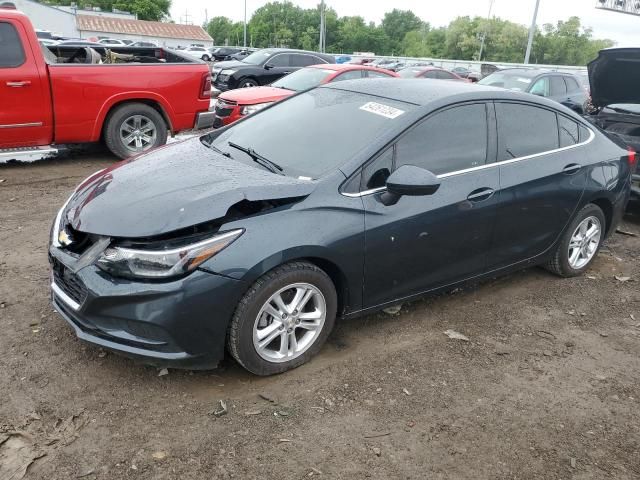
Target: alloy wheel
[(584, 242), (289, 322), (138, 133)]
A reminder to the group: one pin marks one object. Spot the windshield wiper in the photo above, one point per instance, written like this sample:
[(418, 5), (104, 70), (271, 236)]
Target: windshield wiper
[(259, 159)]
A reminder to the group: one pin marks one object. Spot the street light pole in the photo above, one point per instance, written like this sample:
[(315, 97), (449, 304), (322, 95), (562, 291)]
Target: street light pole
[(245, 23), (532, 31), (484, 34)]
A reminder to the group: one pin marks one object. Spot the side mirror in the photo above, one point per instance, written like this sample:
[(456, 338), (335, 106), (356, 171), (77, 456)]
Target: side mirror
[(409, 180), (268, 66)]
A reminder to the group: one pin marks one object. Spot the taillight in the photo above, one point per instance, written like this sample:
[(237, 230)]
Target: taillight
[(205, 92), (632, 157)]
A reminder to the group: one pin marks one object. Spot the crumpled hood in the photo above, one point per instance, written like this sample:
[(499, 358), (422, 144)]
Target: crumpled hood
[(175, 187), (614, 77)]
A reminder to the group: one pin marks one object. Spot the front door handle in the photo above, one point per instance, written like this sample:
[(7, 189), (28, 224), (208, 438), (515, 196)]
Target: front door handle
[(286, 73), (480, 195), (18, 84), (571, 169)]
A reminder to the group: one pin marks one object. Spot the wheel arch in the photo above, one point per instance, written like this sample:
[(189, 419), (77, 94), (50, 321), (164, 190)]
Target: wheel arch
[(156, 102), (607, 208)]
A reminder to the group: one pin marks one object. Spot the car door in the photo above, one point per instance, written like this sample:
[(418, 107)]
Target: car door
[(276, 67), (542, 178), (25, 105), (425, 242)]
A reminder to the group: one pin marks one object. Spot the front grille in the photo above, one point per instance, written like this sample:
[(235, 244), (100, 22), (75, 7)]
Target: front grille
[(224, 109), (68, 281)]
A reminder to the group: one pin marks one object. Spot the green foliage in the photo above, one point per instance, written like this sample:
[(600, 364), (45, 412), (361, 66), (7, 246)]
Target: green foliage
[(402, 33), (154, 10)]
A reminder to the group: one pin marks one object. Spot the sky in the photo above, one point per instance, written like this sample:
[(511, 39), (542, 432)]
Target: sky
[(623, 29)]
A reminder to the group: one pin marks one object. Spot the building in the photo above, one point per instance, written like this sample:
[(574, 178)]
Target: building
[(71, 22)]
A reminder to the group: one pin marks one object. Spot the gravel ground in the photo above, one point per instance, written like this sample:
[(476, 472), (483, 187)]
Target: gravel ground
[(548, 385)]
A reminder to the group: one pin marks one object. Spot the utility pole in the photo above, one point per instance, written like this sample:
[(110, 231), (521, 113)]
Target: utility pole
[(322, 28), (532, 32), (486, 30), (245, 23)]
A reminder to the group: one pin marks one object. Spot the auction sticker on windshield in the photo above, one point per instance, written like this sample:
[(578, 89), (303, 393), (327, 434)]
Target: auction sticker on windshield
[(380, 109)]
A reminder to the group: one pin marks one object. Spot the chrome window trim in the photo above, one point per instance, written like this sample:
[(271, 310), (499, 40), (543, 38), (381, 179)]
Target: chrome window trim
[(64, 297), (592, 135)]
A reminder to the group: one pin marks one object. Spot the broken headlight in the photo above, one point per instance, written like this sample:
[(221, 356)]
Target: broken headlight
[(163, 263)]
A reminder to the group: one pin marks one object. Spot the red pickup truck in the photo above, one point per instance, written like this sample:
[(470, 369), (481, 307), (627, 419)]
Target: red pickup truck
[(128, 97)]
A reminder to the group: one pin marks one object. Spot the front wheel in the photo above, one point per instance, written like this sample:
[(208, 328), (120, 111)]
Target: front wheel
[(206, 58), (284, 319), (580, 243), (134, 128), (248, 83)]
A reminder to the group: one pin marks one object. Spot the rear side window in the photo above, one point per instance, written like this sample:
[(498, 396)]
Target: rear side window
[(374, 74), (351, 75), (11, 53), (444, 76), (568, 131), (525, 130), (572, 84), (305, 60), (558, 87), (449, 141), (431, 74), (281, 60)]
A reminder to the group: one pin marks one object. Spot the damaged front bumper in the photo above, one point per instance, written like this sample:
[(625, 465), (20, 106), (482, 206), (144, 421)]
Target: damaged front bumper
[(179, 324)]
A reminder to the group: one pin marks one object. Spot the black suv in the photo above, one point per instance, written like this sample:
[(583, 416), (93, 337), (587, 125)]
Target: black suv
[(560, 87), (264, 67)]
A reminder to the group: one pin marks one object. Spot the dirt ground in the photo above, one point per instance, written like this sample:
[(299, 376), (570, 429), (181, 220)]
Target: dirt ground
[(548, 387)]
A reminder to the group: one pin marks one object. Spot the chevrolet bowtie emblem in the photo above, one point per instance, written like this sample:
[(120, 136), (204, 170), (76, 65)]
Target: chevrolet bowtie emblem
[(64, 238)]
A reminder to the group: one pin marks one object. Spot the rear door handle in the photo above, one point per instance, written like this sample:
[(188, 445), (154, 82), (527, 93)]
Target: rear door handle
[(571, 169), (480, 195), (18, 84)]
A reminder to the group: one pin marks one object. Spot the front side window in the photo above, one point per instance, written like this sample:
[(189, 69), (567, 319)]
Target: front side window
[(541, 87), (430, 74), (303, 79), (374, 74), (572, 84), (449, 141), (442, 75), (410, 72), (282, 60), (525, 130), (11, 53)]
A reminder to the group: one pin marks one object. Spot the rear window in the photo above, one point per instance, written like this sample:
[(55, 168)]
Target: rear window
[(11, 53), (288, 133)]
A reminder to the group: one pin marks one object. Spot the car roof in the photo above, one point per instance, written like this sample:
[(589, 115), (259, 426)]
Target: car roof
[(424, 92), (531, 72), (339, 67)]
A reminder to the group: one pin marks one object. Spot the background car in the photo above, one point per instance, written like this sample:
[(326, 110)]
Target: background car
[(560, 87), (264, 67), (48, 41), (198, 52), (143, 44), (235, 104), (113, 42), (241, 55), (467, 73), (430, 72), (221, 53)]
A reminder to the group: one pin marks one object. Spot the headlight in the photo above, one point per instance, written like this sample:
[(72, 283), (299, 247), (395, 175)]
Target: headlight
[(249, 109), (228, 72), (142, 263)]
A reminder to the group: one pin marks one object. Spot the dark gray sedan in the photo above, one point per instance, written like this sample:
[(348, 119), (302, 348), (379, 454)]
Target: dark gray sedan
[(337, 202)]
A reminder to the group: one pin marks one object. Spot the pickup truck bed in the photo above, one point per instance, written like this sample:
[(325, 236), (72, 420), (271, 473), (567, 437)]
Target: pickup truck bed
[(131, 98)]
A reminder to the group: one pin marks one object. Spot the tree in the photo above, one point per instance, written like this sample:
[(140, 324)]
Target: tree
[(225, 31), (154, 10), (396, 24)]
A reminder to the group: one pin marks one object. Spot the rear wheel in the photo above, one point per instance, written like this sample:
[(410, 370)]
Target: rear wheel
[(134, 128), (580, 243), (206, 58), (284, 319)]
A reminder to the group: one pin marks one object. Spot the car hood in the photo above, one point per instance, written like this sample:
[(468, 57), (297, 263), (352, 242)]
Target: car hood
[(172, 188), (252, 96), (230, 64), (614, 77)]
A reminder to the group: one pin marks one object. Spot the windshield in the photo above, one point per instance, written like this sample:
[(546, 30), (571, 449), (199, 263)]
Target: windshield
[(313, 133), (410, 72), (511, 81), (303, 79), (258, 58)]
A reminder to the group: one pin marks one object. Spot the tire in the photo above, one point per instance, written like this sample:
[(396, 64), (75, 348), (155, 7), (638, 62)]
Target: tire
[(206, 58), (248, 83), (561, 263), (125, 118), (251, 320)]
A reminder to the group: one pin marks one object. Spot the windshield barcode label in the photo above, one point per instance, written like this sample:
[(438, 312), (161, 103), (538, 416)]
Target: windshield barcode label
[(380, 109)]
